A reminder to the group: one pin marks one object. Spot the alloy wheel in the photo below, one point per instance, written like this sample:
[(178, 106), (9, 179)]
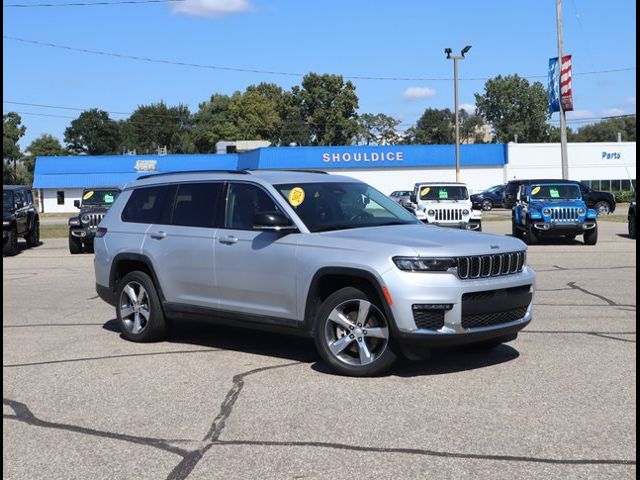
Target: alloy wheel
[(134, 306)]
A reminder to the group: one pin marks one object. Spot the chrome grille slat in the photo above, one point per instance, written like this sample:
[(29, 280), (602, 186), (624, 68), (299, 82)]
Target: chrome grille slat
[(482, 266)]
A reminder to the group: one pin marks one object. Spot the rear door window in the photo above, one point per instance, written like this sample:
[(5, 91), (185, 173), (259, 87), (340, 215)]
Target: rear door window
[(149, 205), (196, 204)]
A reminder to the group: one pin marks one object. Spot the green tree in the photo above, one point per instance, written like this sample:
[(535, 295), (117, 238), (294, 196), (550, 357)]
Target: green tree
[(470, 126), (377, 129), (44, 146), (93, 133), (513, 106), (294, 127), (12, 132), (213, 122), (257, 113), (433, 127), (329, 105), (607, 130), (156, 126)]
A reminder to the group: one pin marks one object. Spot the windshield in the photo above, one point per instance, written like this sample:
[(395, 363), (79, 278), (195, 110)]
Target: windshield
[(342, 205), (99, 197), (7, 200), (446, 192), (555, 192)]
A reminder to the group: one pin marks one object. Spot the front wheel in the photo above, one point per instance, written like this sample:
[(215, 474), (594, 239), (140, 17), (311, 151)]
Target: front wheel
[(11, 246), (353, 335), (591, 236), (75, 244), (603, 208), (33, 238), (532, 236), (139, 311), (487, 205)]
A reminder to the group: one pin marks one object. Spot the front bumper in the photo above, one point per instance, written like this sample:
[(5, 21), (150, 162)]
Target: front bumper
[(88, 233), (471, 225), (564, 228)]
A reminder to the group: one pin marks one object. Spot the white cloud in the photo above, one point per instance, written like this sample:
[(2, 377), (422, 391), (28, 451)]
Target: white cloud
[(418, 93), (580, 114), (212, 8), (470, 109), (631, 101), (612, 112)]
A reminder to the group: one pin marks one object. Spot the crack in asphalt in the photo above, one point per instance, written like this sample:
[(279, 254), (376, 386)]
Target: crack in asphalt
[(610, 302), (605, 335), (558, 268), (430, 453), (609, 337), (108, 357)]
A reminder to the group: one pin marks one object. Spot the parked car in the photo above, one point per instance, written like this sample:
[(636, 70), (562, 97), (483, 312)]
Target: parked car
[(632, 217), (490, 198), (19, 218), (401, 196), (319, 255), (93, 205), (553, 209), (603, 202), (445, 205)]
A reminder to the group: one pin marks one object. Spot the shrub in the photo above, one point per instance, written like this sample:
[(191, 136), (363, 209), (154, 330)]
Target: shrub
[(623, 197)]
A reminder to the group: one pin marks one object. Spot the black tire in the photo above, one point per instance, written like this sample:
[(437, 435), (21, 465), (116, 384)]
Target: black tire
[(485, 345), (515, 231), (357, 335), (88, 247), (531, 237), (591, 236), (152, 325), (11, 247), (603, 208), (487, 205), (75, 245), (33, 238), (479, 227), (633, 232)]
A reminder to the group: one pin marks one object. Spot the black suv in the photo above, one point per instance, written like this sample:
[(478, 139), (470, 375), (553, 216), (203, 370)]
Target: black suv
[(19, 218), (632, 216), (603, 202), (93, 206)]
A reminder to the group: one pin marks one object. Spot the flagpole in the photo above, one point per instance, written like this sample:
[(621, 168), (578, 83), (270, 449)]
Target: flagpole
[(563, 118)]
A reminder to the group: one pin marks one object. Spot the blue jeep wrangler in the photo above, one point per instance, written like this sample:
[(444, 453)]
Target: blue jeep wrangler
[(553, 209)]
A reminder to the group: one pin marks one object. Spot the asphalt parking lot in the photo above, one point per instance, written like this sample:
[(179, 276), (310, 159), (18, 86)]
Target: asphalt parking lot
[(216, 403)]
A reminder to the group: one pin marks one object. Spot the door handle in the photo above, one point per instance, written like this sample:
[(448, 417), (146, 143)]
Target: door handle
[(230, 240), (158, 235)]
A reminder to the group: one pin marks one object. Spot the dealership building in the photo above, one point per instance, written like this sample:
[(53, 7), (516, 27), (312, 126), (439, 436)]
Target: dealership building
[(607, 166)]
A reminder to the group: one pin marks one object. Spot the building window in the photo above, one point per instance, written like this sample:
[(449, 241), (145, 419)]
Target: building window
[(60, 197)]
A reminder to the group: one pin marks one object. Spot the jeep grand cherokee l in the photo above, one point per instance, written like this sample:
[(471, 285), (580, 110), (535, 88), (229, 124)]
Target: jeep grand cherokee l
[(320, 255)]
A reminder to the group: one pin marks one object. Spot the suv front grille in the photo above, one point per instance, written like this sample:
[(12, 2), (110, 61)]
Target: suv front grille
[(481, 266), (565, 214), (494, 318), (95, 219), (449, 215)]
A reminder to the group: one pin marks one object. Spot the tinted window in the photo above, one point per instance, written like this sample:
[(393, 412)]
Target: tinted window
[(99, 197), (443, 193), (60, 198), (146, 204), (195, 204), (20, 197), (243, 202)]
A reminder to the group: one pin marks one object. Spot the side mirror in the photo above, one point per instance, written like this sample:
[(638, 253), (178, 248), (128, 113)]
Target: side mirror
[(76, 203), (273, 221), (413, 198), (19, 205)]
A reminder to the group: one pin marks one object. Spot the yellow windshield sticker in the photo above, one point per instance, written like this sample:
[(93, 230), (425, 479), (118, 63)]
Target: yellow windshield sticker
[(425, 191), (535, 191), (296, 196), (88, 195)]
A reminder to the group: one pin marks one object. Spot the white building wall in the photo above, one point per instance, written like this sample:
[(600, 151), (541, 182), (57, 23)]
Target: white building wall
[(389, 179), (49, 200), (587, 161)]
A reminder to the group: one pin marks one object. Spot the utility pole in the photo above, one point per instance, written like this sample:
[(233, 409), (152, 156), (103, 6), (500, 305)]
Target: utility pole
[(455, 59), (563, 117)]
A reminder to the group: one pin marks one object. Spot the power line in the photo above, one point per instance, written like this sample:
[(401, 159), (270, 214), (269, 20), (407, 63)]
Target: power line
[(273, 72), (86, 4)]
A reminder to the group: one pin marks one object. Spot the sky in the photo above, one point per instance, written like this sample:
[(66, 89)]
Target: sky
[(355, 38)]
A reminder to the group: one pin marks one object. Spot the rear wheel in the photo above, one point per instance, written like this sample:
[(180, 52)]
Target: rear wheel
[(603, 208), (75, 244), (33, 238), (633, 233), (487, 205), (353, 335), (591, 236), (532, 236), (11, 247), (139, 311)]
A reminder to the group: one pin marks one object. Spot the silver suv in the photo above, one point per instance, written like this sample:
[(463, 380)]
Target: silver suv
[(319, 255)]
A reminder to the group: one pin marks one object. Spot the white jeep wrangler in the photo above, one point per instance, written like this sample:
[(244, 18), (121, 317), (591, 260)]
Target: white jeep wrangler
[(446, 205)]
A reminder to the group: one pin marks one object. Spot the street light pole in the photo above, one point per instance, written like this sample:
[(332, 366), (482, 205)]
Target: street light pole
[(455, 59)]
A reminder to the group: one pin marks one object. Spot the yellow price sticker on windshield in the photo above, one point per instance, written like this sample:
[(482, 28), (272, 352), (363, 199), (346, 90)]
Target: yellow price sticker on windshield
[(88, 195), (535, 191), (425, 191), (296, 196)]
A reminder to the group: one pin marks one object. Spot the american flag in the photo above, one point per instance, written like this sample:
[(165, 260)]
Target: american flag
[(566, 92)]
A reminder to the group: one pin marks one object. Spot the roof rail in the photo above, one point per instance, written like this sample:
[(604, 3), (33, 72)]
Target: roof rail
[(300, 170), (183, 172)]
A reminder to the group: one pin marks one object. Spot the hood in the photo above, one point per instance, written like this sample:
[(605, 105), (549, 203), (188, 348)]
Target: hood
[(421, 240)]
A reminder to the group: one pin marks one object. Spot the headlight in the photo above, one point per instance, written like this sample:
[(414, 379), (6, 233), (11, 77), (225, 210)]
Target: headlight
[(581, 211), (418, 264), (546, 211), (465, 212), (431, 213), (85, 218), (74, 221), (5, 223)]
